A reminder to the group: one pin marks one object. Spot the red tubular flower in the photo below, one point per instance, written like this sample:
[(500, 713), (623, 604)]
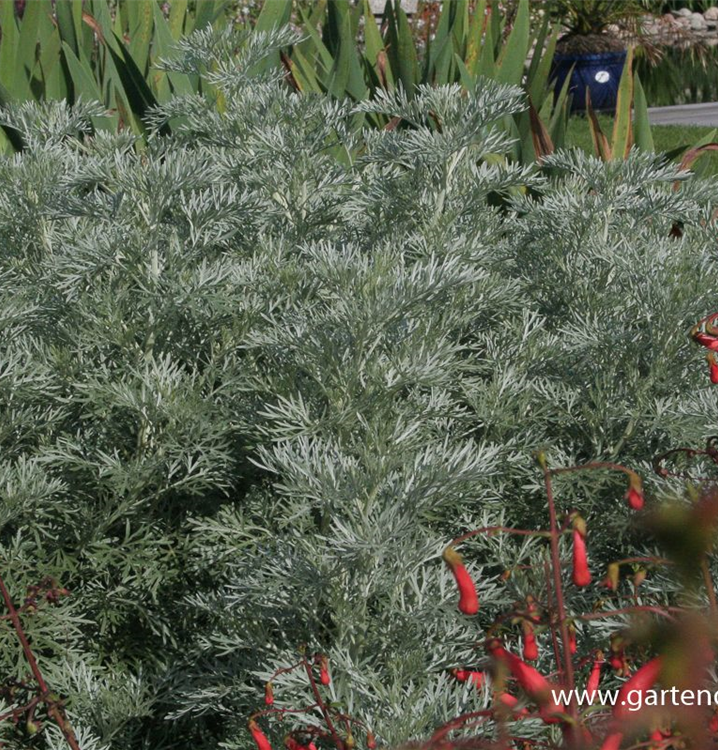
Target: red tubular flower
[(324, 677), (581, 573), (659, 736), (468, 598), (291, 744), (635, 492), (572, 639), (641, 680), (530, 645), (531, 681), (260, 739), (594, 678), (710, 342), (713, 724), (511, 701), (530, 649), (269, 694), (612, 742), (713, 365), (370, 741), (464, 675)]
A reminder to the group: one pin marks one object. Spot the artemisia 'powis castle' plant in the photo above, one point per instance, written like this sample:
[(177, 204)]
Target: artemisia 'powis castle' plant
[(668, 649)]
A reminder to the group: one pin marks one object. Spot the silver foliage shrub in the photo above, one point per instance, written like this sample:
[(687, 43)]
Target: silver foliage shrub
[(255, 376)]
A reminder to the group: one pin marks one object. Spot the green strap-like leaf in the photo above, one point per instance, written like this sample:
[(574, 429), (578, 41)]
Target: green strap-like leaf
[(26, 48), (204, 13), (622, 138), (8, 45), (642, 134), (475, 38), (559, 119), (487, 61), (178, 18), (162, 44), (347, 75), (513, 56), (540, 68), (141, 33), (373, 43), (408, 64), (64, 11), (274, 14)]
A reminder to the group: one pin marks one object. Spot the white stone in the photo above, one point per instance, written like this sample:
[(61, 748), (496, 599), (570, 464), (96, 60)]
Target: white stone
[(711, 14), (698, 22), (684, 12)]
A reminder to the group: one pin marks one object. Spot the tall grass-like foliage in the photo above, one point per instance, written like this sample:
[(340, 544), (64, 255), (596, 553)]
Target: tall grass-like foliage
[(254, 377)]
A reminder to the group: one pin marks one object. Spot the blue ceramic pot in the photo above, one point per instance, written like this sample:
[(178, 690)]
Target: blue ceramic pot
[(600, 73)]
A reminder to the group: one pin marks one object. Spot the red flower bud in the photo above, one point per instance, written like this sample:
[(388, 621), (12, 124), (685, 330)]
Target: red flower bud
[(468, 598), (258, 736), (511, 701), (710, 342), (530, 646), (291, 744), (370, 741), (641, 680), (532, 682), (572, 639), (713, 365), (635, 492), (612, 742), (594, 678), (269, 694), (581, 573), (464, 675), (324, 677), (713, 724), (530, 649)]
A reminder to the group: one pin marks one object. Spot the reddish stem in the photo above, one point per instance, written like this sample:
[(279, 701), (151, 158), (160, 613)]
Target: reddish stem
[(558, 585), (53, 710), (552, 629), (330, 725), (496, 530)]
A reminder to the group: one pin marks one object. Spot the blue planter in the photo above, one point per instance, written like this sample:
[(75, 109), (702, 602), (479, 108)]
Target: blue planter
[(600, 73)]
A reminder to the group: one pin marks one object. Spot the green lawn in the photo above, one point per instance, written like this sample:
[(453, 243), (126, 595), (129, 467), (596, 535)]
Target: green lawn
[(665, 138)]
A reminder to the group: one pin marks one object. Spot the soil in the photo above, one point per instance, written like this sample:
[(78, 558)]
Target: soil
[(575, 44)]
